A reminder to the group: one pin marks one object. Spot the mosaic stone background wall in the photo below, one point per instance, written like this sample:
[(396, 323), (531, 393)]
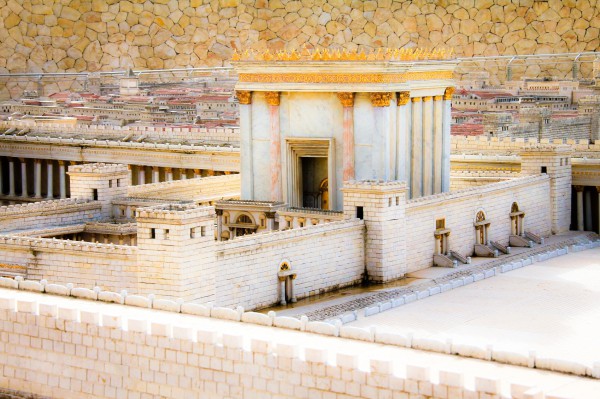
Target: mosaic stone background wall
[(92, 35)]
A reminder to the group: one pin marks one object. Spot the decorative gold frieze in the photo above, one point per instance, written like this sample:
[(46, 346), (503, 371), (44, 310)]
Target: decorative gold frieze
[(403, 97), (437, 98), (343, 77), (381, 99), (244, 97), (415, 99), (388, 54), (426, 99), (346, 98), (272, 97), (448, 93)]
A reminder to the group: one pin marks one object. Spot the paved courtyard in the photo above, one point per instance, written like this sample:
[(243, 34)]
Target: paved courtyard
[(552, 307)]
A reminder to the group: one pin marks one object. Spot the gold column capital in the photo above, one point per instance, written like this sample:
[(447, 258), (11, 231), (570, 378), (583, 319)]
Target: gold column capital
[(415, 99), (448, 93), (61, 163), (244, 97), (346, 98), (272, 97), (427, 98), (403, 98), (578, 188), (381, 99), (437, 98)]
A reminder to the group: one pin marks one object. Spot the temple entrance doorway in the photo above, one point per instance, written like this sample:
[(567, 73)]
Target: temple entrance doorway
[(315, 184)]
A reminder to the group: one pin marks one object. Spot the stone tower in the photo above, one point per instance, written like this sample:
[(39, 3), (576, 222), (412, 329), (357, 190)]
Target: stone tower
[(555, 161), (382, 206), (100, 182), (176, 250)]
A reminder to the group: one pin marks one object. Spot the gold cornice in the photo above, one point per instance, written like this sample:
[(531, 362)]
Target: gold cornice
[(448, 93), (244, 97), (343, 77), (380, 99), (403, 97), (272, 97), (346, 98)]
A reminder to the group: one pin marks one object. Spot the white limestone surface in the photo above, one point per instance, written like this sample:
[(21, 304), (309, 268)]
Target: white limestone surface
[(551, 307)]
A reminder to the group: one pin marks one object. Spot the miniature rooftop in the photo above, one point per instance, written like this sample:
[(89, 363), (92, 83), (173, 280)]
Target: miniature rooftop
[(337, 70)]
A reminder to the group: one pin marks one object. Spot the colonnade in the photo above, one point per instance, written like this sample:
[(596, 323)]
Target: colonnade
[(33, 178), (586, 199), (117, 239), (140, 174)]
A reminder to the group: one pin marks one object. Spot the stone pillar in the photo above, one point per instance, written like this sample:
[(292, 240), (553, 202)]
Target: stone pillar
[(347, 100), (219, 213), (270, 220), (37, 177), (427, 145), (210, 172), (50, 178), (275, 151), (23, 177), (168, 174), (282, 290), (438, 143), (182, 174), (62, 177), (130, 169), (155, 174), (417, 148), (447, 116), (246, 138), (579, 190), (197, 173), (402, 137), (381, 137), (141, 175), (11, 177), (587, 211)]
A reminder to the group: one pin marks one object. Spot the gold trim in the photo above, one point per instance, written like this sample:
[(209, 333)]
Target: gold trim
[(272, 97), (437, 98), (448, 93), (403, 97), (415, 99), (346, 98), (9, 266), (381, 99), (343, 77), (244, 97), (426, 98)]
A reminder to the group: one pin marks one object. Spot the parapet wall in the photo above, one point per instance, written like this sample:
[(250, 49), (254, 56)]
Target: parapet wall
[(196, 134), (481, 144), (46, 214), (459, 209), (108, 35), (211, 187), (323, 257)]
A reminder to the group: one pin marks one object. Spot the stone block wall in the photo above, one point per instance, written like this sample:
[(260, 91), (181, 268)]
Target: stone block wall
[(207, 187), (97, 35), (459, 209), (324, 257), (509, 145), (460, 179)]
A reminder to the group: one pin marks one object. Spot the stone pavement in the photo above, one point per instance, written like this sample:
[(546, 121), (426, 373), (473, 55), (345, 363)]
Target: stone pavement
[(352, 299), (551, 307)]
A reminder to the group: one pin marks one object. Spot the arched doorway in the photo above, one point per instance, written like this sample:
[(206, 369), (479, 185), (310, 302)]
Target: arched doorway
[(481, 228), (286, 283), (244, 225), (516, 220), (324, 193)]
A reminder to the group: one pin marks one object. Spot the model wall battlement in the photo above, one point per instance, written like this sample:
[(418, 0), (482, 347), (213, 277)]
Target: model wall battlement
[(175, 212), (65, 245), (99, 168), (110, 227), (54, 206), (224, 135), (462, 143)]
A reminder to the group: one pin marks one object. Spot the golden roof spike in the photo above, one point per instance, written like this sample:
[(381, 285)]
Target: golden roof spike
[(362, 55), (316, 56), (235, 56)]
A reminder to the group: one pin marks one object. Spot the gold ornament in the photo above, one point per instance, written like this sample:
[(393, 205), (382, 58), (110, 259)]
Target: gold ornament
[(403, 97), (347, 99), (448, 93), (272, 97), (244, 97), (381, 99)]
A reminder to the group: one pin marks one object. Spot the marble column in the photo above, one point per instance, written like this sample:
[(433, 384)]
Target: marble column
[(246, 141), (155, 174), (417, 148), (447, 116), (402, 137), (588, 220), (62, 179), (50, 178), (182, 174), (347, 100), (381, 136), (438, 143), (427, 145), (130, 170), (579, 190), (11, 177), (141, 175), (273, 99), (168, 174), (219, 213), (23, 177), (37, 178)]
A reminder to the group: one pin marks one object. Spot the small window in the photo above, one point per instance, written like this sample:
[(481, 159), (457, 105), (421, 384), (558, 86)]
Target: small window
[(359, 212), (397, 200), (390, 201), (122, 211), (95, 194), (193, 232), (202, 231), (118, 182), (440, 224), (166, 234), (153, 233), (110, 184), (544, 169)]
